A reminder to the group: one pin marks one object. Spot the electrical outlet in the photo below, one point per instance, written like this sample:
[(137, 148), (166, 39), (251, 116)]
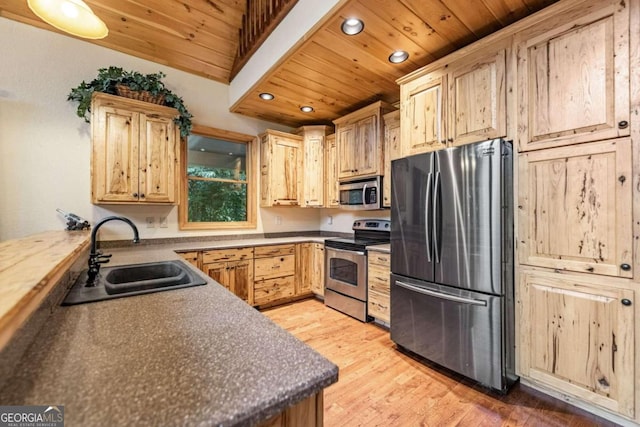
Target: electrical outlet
[(151, 222), (330, 220), (278, 220), (163, 222)]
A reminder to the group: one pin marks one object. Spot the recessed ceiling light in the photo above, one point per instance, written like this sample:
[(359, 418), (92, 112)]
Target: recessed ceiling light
[(352, 26), (398, 56), (306, 109), (267, 96), (231, 154), (202, 149)]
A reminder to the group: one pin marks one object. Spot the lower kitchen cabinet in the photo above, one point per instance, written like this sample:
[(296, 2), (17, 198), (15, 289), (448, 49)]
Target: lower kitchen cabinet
[(310, 258), (232, 268), (378, 283), (275, 273), (577, 337), (192, 257)]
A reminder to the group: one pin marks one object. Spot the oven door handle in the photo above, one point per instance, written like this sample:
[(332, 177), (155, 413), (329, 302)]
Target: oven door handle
[(329, 248), (442, 295)]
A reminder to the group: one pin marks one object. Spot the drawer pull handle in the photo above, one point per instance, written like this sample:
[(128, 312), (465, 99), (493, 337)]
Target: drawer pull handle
[(625, 267)]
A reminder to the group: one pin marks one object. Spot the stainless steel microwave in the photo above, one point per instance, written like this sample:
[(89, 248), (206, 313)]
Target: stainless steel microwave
[(361, 194)]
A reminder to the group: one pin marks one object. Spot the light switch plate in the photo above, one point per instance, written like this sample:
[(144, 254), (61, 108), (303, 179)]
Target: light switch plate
[(151, 222)]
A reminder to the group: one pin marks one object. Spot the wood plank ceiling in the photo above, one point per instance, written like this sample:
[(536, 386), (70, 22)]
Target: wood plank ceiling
[(332, 72)]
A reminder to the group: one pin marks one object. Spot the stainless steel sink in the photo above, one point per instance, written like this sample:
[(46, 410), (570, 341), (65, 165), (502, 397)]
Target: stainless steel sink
[(134, 279)]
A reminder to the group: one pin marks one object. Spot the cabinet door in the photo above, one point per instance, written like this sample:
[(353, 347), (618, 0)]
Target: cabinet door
[(368, 151), (240, 276), (286, 162), (392, 150), (158, 141), (423, 114), (578, 337), (304, 260), (192, 258), (378, 303), (574, 80), (346, 141), (265, 161), (575, 208), (115, 155), (218, 271), (477, 101), (313, 170), (317, 269), (332, 192)]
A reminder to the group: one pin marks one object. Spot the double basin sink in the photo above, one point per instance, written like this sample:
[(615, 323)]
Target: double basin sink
[(135, 279)]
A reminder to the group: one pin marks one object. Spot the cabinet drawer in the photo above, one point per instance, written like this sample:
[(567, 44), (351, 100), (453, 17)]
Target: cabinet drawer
[(274, 250), (265, 291), (378, 306), (379, 258), (378, 279), (190, 257), (268, 268), (230, 254)]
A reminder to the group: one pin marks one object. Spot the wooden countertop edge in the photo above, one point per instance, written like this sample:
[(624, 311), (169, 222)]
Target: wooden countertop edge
[(16, 316)]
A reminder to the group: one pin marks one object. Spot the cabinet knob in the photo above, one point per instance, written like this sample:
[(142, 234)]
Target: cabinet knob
[(450, 139), (625, 301), (142, 195), (625, 267), (135, 194), (623, 124)]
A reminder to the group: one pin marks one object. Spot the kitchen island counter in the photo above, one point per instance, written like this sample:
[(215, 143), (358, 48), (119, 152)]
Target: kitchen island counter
[(192, 356)]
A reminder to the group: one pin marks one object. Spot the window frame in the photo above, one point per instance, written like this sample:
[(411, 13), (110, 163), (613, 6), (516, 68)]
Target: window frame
[(251, 172)]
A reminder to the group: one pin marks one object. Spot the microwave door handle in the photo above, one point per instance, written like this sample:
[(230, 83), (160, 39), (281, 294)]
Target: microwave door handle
[(441, 295), (426, 216), (364, 194)]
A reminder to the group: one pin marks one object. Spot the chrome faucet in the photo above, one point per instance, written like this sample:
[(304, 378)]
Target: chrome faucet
[(96, 257)]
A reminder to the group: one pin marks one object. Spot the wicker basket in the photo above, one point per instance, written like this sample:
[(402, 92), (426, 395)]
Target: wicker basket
[(141, 95)]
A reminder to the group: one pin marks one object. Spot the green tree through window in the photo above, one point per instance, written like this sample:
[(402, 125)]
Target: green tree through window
[(218, 181)]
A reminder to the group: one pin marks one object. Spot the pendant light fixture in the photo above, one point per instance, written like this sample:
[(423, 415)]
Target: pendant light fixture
[(71, 16)]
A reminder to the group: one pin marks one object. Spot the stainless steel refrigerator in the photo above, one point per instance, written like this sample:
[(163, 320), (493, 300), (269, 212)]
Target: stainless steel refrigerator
[(452, 259)]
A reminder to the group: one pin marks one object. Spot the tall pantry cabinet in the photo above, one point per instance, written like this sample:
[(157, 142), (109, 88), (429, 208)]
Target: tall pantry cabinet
[(560, 85)]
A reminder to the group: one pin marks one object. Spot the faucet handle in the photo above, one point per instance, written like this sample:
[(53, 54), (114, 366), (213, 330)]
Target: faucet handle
[(102, 259)]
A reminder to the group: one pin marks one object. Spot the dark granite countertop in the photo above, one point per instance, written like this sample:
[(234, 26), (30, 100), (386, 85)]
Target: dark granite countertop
[(193, 356)]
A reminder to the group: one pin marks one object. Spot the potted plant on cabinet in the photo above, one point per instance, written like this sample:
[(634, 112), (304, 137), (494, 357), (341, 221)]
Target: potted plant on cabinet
[(130, 84)]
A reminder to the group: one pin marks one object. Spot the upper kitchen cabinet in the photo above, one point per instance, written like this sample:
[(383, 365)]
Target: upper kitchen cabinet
[(573, 79), (575, 208), (477, 100), (332, 185), (392, 150), (359, 142), (280, 169), (459, 103), (423, 114), (135, 151), (313, 173)]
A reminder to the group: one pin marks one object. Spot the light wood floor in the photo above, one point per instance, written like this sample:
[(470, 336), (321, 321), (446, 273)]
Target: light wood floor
[(380, 386)]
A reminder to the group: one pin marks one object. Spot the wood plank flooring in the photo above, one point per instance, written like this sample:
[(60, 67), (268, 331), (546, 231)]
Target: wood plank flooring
[(381, 386)]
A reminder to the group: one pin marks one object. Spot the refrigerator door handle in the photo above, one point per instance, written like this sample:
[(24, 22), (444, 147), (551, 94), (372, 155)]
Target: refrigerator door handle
[(435, 207), (448, 297), (426, 217)]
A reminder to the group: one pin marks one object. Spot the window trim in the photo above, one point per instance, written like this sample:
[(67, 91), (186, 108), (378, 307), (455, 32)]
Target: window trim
[(251, 172)]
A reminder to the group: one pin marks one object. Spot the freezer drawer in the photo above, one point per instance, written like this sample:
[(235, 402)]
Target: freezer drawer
[(457, 329)]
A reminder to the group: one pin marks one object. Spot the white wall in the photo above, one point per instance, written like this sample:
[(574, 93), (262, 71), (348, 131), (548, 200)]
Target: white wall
[(45, 147)]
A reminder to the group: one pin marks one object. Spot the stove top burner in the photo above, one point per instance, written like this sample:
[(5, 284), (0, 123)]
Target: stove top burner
[(367, 232)]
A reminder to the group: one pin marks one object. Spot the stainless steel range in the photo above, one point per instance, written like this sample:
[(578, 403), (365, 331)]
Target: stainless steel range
[(346, 267)]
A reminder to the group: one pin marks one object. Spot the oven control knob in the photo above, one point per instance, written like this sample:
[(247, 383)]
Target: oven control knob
[(386, 226)]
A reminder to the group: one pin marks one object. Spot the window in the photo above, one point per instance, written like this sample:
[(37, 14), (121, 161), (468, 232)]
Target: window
[(218, 188)]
